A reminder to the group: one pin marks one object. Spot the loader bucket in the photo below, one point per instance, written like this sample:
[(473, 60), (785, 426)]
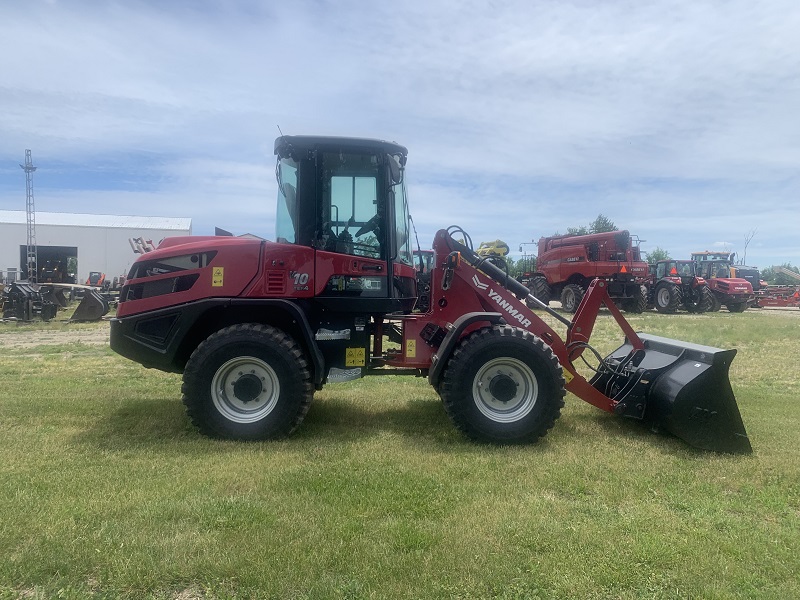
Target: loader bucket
[(92, 307), (678, 386)]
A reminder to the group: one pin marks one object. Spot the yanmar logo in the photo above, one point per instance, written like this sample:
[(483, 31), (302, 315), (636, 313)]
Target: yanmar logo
[(478, 283), (513, 312)]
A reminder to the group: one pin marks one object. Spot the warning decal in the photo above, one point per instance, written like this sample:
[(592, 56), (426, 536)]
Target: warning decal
[(354, 357), (217, 276)]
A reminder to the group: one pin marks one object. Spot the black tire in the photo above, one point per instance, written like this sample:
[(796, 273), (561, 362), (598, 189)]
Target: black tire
[(715, 303), (638, 304), (668, 297), (736, 307), (503, 385), (541, 289), (571, 297), (244, 364), (702, 301)]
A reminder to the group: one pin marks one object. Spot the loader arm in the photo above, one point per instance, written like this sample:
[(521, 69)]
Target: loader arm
[(468, 270), (681, 387)]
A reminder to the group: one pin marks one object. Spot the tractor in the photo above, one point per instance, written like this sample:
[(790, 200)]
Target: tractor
[(567, 264), (735, 293), (256, 327), (675, 284)]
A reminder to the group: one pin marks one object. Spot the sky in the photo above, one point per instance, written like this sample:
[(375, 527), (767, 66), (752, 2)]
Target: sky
[(679, 121)]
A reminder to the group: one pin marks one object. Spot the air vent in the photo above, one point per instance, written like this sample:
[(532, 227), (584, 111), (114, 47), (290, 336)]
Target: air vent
[(276, 282)]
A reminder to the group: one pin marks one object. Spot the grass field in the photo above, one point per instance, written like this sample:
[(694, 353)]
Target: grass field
[(106, 490)]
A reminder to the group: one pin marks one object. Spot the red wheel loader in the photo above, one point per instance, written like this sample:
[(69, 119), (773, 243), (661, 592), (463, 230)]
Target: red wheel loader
[(257, 326)]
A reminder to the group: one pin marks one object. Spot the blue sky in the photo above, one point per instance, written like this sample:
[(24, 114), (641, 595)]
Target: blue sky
[(677, 120)]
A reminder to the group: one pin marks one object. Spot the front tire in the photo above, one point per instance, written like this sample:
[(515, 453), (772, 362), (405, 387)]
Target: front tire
[(503, 385), (247, 382), (737, 307)]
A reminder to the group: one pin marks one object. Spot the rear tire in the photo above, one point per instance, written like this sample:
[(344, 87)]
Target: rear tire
[(638, 304), (571, 297), (715, 303), (703, 301), (668, 297), (247, 382), (503, 385)]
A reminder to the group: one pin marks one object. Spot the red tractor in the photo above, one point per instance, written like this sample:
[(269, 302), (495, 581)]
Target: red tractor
[(567, 264), (257, 326), (735, 293), (675, 284)]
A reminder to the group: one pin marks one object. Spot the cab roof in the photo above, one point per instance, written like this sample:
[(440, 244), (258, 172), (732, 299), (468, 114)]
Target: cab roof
[(289, 143)]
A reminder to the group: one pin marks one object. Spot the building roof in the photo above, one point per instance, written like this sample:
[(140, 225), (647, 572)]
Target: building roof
[(109, 221)]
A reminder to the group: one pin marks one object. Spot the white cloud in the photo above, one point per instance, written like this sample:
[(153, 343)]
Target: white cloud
[(677, 120)]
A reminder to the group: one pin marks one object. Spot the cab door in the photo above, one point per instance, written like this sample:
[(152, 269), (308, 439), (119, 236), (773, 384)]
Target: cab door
[(351, 249)]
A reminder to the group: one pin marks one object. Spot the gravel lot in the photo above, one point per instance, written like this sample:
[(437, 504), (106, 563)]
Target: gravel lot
[(22, 338)]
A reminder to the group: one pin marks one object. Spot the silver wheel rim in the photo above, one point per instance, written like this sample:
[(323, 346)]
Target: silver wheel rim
[(245, 389), (569, 300), (505, 408), (663, 296)]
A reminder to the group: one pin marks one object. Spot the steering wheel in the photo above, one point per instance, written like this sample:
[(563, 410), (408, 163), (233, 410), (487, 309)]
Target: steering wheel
[(370, 225)]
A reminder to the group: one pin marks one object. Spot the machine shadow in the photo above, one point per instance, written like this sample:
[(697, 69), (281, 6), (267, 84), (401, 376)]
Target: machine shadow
[(163, 423)]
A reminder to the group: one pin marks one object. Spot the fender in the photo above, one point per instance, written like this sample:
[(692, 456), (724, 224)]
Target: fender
[(453, 336), (154, 338)]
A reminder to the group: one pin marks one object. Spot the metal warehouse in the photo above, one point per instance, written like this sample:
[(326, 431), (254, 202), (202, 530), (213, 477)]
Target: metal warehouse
[(70, 246)]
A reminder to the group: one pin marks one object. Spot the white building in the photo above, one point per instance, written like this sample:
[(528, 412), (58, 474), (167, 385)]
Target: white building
[(99, 242)]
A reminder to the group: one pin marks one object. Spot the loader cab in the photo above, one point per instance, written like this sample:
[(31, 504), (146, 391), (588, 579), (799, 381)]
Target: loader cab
[(346, 199)]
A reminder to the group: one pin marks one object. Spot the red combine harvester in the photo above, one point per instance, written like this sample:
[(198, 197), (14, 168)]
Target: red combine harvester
[(567, 264), (256, 326)]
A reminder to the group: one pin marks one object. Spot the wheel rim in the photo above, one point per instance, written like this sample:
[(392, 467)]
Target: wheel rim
[(245, 389), (505, 390), (663, 296), (569, 300)]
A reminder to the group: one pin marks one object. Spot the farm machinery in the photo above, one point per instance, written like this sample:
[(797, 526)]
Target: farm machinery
[(717, 268), (674, 284), (567, 264), (255, 327), (781, 294)]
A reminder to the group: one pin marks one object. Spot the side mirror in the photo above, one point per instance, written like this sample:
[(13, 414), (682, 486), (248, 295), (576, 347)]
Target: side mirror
[(394, 168)]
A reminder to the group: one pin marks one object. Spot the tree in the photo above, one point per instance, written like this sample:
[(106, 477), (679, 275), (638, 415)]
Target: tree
[(656, 255), (773, 276), (748, 236), (602, 224), (582, 230)]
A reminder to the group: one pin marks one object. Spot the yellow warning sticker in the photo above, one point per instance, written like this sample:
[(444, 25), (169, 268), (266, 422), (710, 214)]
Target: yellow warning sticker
[(217, 275), (411, 348), (568, 376), (354, 357)]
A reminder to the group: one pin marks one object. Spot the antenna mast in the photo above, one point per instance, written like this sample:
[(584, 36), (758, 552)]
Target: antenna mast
[(30, 212)]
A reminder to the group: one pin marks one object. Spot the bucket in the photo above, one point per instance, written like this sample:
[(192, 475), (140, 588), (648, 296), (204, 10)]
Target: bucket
[(678, 386)]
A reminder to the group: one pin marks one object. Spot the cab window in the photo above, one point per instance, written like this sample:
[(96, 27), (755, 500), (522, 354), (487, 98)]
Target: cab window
[(350, 216)]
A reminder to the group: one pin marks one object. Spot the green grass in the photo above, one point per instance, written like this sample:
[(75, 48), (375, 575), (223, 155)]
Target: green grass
[(107, 491)]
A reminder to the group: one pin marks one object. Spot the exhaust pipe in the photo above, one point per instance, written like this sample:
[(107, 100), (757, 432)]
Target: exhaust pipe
[(681, 387)]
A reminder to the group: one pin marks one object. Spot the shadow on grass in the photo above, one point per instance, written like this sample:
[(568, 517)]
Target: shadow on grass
[(163, 423), (633, 432)]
